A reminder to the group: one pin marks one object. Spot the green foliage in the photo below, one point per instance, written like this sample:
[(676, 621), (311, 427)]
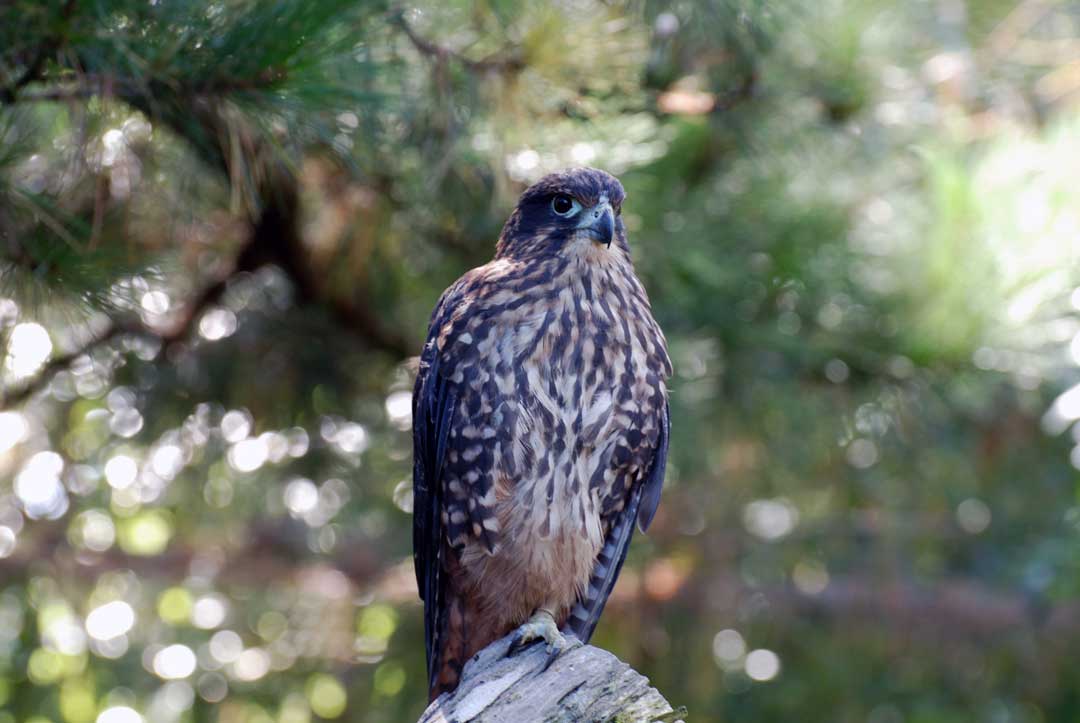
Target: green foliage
[(223, 227)]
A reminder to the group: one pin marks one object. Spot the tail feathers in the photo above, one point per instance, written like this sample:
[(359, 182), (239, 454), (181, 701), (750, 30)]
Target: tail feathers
[(586, 612), (452, 652)]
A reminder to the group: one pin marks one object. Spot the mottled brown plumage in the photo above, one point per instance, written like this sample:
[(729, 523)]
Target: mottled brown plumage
[(540, 425)]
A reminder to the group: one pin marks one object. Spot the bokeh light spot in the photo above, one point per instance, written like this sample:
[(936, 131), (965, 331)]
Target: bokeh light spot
[(217, 324), (295, 709), (810, 577), (93, 530), (403, 495), (251, 664), (45, 666), (147, 533), (862, 453), (13, 430), (973, 516), (8, 540), (167, 461), (61, 631), (301, 496), (762, 665), (77, 704), (171, 700), (226, 646), (212, 687), (248, 455), (399, 409), (38, 486), (174, 662), (119, 714), (209, 611), (155, 302), (377, 621), (174, 606), (110, 620), (770, 519), (326, 695), (836, 371), (121, 471), (389, 679), (349, 437), (236, 425), (29, 346), (729, 647), (126, 423)]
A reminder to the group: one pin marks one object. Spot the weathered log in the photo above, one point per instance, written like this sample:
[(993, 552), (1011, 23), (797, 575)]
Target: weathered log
[(583, 685)]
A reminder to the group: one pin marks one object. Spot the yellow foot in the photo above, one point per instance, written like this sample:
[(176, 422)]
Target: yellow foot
[(541, 626)]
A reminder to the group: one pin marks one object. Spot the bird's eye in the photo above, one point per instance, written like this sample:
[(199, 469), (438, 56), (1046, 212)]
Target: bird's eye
[(563, 205)]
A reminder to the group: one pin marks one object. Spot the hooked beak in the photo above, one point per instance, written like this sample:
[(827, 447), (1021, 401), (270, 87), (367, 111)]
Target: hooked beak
[(598, 223)]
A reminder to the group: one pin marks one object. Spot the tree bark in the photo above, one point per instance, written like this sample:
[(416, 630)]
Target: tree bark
[(584, 685)]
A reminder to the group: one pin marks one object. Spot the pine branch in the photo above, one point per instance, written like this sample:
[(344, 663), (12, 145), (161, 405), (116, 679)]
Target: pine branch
[(112, 331), (87, 85), (32, 71), (56, 365), (232, 144), (250, 258), (509, 61), (275, 239)]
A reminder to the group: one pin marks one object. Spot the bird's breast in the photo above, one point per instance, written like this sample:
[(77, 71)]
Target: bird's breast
[(570, 353), (554, 378)]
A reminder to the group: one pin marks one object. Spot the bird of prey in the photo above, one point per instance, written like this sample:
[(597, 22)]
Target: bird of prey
[(540, 429)]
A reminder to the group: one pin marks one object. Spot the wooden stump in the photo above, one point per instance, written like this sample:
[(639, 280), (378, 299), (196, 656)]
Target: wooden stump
[(584, 685)]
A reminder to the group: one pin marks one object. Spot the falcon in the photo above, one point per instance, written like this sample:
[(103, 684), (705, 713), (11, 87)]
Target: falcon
[(540, 429)]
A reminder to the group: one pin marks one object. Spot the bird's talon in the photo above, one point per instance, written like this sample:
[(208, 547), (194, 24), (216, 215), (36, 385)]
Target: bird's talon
[(541, 626), (552, 654), (559, 648), (520, 641)]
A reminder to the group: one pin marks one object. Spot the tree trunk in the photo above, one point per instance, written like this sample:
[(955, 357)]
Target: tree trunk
[(584, 685)]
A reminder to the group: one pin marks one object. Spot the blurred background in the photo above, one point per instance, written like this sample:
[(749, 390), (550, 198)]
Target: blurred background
[(223, 227)]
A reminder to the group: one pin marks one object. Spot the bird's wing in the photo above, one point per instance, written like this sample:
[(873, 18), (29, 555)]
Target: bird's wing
[(434, 400), (644, 499), (650, 494)]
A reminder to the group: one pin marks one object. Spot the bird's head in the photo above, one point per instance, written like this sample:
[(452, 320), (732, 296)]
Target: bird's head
[(574, 210)]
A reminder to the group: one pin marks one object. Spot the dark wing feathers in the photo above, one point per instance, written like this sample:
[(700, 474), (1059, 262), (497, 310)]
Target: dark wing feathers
[(586, 613), (433, 406), (641, 506), (650, 497)]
